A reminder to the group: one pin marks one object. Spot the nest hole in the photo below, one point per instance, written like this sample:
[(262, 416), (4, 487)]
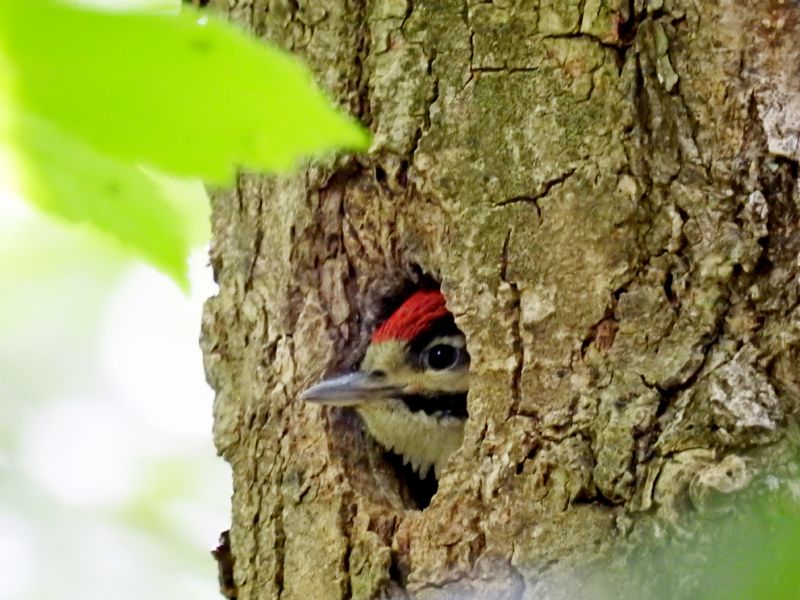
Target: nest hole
[(390, 472), (418, 490)]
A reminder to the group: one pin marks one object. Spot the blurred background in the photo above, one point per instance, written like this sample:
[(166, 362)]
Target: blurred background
[(110, 486)]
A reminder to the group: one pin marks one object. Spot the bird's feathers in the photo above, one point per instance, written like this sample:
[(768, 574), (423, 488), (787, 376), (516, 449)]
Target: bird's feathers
[(415, 315), (421, 439), (411, 405)]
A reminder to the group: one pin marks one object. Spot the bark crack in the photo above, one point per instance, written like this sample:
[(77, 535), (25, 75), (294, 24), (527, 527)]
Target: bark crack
[(362, 47), (407, 14), (516, 335), (474, 70), (279, 549), (426, 116), (544, 190), (346, 516)]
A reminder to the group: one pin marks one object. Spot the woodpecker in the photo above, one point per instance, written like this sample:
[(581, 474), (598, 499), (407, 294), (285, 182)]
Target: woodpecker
[(411, 388)]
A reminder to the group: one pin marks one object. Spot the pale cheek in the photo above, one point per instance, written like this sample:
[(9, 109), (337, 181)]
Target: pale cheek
[(459, 382), (386, 356)]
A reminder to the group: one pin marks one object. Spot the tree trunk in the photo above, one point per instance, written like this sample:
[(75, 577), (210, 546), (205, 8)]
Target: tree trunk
[(607, 192)]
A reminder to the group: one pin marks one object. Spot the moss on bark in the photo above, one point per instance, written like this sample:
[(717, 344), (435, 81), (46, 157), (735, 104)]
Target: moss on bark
[(606, 197)]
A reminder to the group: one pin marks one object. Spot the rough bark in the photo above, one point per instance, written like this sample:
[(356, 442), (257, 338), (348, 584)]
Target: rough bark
[(608, 194)]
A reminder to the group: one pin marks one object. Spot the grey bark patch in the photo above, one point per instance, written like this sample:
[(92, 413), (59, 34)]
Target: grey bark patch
[(638, 146)]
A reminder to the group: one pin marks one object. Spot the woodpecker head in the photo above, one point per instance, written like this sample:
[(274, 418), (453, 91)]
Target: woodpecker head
[(412, 385)]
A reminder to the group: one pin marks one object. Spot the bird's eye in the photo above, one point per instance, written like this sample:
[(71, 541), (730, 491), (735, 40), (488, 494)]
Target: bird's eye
[(441, 357)]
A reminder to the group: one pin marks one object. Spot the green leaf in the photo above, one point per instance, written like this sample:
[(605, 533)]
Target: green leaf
[(187, 94), (88, 98), (64, 176)]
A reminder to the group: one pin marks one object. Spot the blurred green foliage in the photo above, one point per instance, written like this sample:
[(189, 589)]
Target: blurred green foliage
[(94, 103), (744, 548), (72, 428), (750, 552)]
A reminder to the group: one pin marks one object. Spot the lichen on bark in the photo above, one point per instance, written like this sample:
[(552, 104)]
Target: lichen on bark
[(607, 193)]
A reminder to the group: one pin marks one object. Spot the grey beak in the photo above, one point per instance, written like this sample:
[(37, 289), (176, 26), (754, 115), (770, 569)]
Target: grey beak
[(351, 390)]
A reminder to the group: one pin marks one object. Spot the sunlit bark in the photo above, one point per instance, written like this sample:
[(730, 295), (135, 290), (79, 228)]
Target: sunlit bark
[(607, 193)]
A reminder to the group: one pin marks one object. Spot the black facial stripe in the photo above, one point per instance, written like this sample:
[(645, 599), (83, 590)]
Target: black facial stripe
[(454, 405)]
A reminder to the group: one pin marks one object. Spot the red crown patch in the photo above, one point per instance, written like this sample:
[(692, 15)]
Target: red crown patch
[(413, 317)]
